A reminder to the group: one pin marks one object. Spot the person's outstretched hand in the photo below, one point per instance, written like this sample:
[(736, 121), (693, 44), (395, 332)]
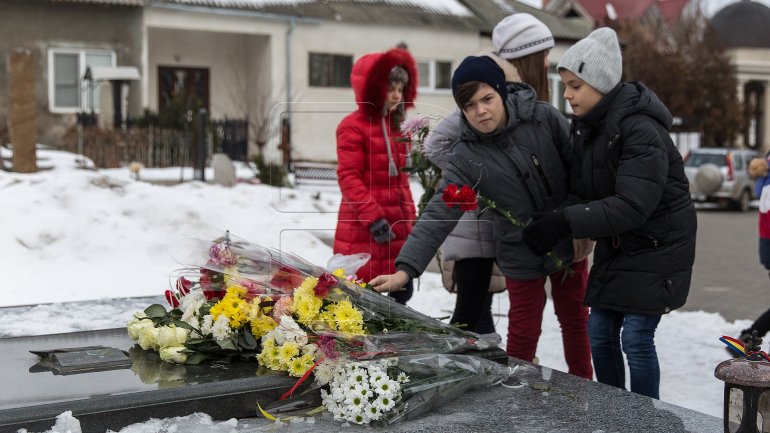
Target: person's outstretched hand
[(390, 282), (545, 231)]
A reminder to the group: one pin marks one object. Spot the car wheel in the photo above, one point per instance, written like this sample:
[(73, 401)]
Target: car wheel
[(708, 179), (743, 201)]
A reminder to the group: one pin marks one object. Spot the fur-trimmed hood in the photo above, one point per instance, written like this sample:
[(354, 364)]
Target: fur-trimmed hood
[(369, 79)]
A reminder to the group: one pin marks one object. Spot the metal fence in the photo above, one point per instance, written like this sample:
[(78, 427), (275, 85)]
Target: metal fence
[(156, 146)]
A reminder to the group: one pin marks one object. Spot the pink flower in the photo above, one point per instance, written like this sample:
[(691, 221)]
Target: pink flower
[(221, 255), (283, 307), (414, 125), (328, 346)]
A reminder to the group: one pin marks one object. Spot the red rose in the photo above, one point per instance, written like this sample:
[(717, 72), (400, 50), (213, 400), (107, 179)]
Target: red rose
[(450, 194), (183, 285), (464, 197), (326, 283), (171, 299)]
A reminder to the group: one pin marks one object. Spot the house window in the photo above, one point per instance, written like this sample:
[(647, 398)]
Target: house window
[(68, 92), (557, 93), (330, 70), (434, 75)]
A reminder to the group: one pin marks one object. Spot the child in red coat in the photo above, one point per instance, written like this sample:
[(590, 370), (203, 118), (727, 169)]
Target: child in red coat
[(377, 211)]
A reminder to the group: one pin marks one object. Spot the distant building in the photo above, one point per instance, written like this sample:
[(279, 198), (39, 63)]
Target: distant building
[(283, 62), (742, 28)]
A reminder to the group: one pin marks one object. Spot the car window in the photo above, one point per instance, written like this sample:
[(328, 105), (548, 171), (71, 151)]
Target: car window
[(738, 161), (698, 159)]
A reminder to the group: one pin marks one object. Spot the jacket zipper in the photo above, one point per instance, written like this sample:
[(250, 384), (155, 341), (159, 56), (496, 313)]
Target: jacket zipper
[(541, 173)]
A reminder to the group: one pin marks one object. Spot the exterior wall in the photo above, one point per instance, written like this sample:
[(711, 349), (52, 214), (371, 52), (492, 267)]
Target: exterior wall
[(65, 25), (243, 52), (313, 129)]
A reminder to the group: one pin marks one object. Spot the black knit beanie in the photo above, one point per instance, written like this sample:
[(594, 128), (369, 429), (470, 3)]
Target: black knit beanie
[(480, 68)]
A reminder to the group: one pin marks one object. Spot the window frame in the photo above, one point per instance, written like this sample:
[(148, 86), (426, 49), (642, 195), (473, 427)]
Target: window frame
[(430, 87), (81, 53), (333, 57)]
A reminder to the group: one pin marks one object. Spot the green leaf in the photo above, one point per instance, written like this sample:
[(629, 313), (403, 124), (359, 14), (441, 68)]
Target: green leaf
[(155, 311), (183, 324), (247, 340), (196, 358), (227, 344)]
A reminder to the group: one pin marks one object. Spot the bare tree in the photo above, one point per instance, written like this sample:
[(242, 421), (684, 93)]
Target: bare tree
[(686, 66)]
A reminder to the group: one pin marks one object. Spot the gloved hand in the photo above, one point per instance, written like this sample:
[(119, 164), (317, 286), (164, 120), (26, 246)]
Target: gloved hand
[(546, 230), (381, 231)]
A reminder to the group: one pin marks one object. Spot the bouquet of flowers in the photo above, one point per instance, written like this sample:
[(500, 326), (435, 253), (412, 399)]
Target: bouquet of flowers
[(252, 302), (391, 389)]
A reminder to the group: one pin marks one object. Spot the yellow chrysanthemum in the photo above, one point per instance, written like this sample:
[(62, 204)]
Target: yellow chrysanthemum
[(326, 318), (301, 364), (307, 286), (269, 357), (306, 307), (339, 272), (262, 324), (232, 307), (286, 353), (348, 318)]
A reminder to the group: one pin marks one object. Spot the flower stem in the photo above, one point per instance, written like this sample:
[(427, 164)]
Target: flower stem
[(560, 265)]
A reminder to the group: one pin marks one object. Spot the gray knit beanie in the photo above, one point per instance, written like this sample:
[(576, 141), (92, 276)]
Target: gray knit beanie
[(519, 35), (595, 59)]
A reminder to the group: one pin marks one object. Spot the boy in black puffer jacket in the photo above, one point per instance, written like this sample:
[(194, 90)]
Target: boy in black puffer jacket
[(632, 196)]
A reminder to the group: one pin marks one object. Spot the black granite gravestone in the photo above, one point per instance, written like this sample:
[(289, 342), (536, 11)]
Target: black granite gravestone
[(113, 395)]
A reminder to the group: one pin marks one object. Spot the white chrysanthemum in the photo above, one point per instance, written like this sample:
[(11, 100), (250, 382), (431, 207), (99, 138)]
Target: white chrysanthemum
[(402, 378), (221, 329), (191, 304), (289, 330), (324, 372), (207, 324), (384, 403), (388, 388)]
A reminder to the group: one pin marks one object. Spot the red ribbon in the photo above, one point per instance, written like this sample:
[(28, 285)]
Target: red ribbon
[(302, 379)]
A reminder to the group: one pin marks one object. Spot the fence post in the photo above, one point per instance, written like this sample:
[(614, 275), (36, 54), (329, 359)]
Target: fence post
[(200, 143)]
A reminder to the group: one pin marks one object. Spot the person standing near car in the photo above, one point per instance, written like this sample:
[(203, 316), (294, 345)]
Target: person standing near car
[(630, 193), (758, 170)]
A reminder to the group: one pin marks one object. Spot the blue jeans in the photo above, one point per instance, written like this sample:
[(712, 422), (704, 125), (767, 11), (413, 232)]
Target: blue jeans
[(611, 331)]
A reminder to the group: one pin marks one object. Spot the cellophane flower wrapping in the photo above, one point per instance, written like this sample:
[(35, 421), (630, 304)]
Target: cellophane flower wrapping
[(392, 389), (237, 299)]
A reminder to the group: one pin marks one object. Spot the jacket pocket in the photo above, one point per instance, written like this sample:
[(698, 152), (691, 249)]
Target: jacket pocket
[(651, 236)]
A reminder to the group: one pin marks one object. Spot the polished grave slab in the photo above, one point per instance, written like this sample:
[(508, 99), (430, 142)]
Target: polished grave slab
[(32, 395)]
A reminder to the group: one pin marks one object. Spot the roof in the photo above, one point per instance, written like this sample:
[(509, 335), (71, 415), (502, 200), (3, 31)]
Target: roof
[(422, 13), (743, 24), (599, 10), (491, 12), (105, 2)]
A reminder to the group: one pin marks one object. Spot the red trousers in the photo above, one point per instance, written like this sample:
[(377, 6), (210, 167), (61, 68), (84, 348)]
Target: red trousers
[(525, 317)]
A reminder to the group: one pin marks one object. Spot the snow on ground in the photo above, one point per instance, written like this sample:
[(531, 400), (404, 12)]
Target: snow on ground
[(69, 234)]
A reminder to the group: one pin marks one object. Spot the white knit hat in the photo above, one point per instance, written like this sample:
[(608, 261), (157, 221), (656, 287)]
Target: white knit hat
[(595, 59), (519, 35)]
